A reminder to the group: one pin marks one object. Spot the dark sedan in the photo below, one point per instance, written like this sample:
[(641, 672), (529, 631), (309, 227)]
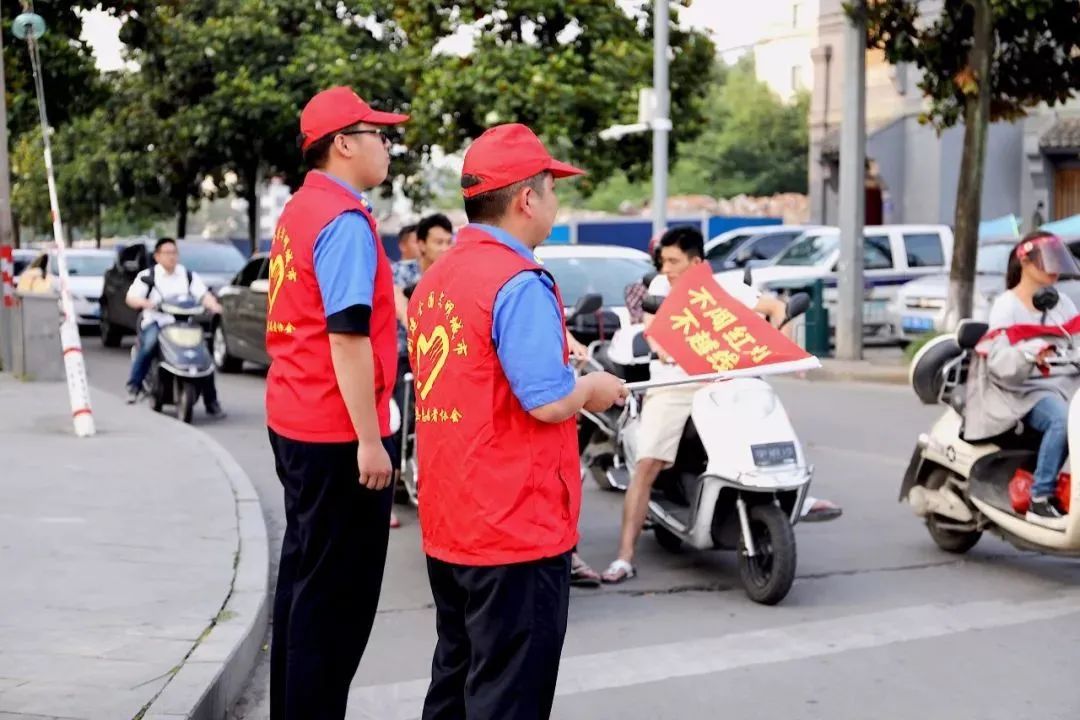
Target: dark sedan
[(240, 330)]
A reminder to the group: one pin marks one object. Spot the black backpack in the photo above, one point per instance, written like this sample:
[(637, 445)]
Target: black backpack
[(148, 281)]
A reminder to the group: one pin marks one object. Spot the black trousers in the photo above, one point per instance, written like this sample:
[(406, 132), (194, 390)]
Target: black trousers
[(332, 560), (501, 632)]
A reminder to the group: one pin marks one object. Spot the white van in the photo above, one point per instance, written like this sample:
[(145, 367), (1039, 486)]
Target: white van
[(892, 256)]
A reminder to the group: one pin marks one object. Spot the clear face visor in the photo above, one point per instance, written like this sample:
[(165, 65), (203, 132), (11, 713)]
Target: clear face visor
[(1050, 255)]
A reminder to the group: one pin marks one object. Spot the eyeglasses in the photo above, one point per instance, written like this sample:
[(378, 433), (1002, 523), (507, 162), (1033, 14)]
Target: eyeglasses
[(382, 135)]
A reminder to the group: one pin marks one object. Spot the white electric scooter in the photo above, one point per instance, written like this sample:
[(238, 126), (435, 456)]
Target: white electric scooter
[(740, 476), (961, 488)]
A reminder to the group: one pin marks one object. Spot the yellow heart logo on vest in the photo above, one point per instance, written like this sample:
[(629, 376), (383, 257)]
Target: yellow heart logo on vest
[(277, 277), (437, 344)]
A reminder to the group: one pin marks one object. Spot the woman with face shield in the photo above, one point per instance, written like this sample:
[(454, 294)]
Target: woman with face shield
[(1006, 386)]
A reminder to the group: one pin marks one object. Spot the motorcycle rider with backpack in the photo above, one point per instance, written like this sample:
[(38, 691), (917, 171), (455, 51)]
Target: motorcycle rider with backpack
[(166, 278)]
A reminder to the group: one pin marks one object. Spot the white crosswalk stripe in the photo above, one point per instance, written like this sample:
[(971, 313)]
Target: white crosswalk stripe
[(634, 666)]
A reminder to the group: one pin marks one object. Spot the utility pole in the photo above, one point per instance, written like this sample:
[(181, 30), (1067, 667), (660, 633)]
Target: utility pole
[(849, 322), (7, 236), (661, 125)]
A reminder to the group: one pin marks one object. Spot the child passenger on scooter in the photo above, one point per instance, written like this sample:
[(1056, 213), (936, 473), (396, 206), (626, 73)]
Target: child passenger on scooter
[(1007, 386)]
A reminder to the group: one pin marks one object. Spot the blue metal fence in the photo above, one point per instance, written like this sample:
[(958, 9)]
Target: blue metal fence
[(627, 232)]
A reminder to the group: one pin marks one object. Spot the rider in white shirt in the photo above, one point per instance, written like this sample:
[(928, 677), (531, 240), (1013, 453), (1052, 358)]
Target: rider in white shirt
[(665, 411), (166, 278)]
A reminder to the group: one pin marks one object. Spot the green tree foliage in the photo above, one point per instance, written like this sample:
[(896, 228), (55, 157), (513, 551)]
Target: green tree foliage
[(568, 69), (218, 86), (751, 143), (71, 80), (86, 169)]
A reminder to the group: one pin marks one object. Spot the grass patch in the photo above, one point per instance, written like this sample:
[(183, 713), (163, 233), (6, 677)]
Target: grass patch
[(917, 344)]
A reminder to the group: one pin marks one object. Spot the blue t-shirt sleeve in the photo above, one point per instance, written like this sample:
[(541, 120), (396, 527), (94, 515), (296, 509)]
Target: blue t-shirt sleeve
[(345, 263), (529, 331)]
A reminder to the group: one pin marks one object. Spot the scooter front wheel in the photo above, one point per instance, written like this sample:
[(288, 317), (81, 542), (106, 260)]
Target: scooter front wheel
[(952, 541), (768, 576), (186, 396)]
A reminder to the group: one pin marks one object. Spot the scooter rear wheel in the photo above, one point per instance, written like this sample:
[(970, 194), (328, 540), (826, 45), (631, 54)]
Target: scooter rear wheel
[(668, 540), (768, 576), (952, 541)]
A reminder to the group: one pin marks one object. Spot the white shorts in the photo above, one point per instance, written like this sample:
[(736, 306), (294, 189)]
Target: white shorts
[(663, 418)]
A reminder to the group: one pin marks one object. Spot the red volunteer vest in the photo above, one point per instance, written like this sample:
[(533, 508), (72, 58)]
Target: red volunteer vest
[(496, 485), (303, 401)]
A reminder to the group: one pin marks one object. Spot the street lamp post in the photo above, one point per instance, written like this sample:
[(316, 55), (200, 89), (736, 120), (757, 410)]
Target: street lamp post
[(30, 27), (655, 117), (7, 236), (661, 124)]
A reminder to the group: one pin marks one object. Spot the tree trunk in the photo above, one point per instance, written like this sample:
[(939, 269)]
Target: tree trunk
[(251, 179), (972, 163), (97, 225), (181, 219)]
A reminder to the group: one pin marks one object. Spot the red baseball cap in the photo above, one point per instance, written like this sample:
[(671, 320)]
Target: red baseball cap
[(506, 154), (338, 108)]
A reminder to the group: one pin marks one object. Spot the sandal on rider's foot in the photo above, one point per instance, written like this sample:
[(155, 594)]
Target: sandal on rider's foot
[(815, 510), (394, 522), (617, 572), (581, 575)]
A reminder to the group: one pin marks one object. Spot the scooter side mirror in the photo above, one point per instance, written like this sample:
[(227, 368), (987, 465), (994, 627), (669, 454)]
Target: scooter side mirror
[(586, 305), (651, 304), (1046, 299), (649, 277), (797, 304), (640, 346)]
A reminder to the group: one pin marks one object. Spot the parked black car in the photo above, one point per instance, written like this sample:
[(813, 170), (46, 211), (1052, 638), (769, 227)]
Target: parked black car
[(214, 262), (240, 330)]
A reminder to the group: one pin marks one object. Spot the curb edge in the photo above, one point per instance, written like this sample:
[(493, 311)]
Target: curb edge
[(209, 682)]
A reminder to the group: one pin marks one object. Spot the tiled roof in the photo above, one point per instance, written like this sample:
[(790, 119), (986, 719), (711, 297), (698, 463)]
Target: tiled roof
[(1064, 135)]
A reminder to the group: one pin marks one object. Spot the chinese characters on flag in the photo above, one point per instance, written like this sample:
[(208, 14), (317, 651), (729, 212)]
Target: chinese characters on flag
[(707, 331)]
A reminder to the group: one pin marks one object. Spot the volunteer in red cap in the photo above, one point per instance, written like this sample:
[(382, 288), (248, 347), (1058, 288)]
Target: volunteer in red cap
[(496, 400), (331, 333)]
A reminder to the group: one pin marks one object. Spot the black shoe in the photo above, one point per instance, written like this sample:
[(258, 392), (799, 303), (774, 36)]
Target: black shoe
[(214, 410), (132, 395), (1044, 511)]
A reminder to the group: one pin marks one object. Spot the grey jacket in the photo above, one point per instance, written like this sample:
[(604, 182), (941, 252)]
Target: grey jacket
[(1003, 386)]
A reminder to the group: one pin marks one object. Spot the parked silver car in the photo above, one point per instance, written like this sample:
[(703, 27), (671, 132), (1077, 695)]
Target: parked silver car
[(919, 306)]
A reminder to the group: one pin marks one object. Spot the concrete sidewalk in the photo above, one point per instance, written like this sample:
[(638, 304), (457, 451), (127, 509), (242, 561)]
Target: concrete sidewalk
[(133, 564), (888, 372)]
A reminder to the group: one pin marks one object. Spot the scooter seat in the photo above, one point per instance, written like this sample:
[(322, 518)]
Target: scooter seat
[(1020, 437)]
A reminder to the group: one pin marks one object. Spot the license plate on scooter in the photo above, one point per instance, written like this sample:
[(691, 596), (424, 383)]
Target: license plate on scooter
[(770, 454)]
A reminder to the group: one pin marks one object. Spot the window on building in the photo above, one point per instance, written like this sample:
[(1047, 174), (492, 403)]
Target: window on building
[(795, 7), (797, 78)]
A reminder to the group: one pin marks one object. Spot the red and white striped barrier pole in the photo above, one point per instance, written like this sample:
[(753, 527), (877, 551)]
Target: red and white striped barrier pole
[(31, 27), (7, 302)]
